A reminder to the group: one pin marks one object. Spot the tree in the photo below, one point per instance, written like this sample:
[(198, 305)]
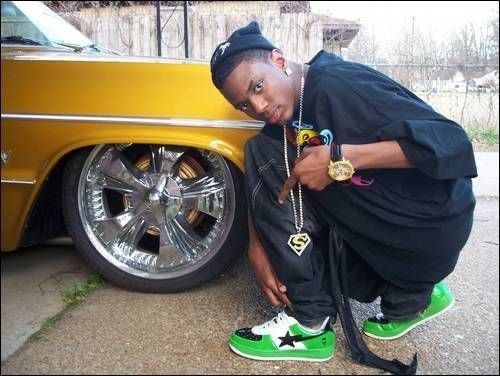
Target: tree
[(365, 48), (493, 39)]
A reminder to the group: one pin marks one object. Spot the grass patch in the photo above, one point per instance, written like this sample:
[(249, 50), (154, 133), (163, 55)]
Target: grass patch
[(79, 291), (71, 297), (487, 136), (47, 324)]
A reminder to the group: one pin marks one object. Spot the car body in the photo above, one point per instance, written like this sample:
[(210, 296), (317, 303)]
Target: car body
[(138, 159)]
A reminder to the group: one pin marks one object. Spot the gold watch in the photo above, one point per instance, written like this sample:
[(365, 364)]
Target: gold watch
[(339, 168)]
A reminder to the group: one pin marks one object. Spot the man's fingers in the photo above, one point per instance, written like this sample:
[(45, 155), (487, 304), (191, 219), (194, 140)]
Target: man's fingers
[(280, 292), (287, 187), (276, 296), (278, 299), (272, 298), (286, 301)]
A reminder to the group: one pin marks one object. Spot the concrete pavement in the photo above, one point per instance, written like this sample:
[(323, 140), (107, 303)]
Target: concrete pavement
[(117, 331), (33, 281), (486, 183)]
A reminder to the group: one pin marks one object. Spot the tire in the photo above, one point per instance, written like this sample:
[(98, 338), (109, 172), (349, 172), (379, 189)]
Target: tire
[(155, 218)]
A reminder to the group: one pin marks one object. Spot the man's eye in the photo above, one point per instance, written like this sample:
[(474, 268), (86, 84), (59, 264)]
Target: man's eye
[(244, 107), (259, 86)]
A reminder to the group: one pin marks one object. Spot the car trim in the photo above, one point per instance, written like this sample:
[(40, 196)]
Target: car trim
[(181, 122), (15, 181)]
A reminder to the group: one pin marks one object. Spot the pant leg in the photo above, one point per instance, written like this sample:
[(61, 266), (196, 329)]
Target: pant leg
[(306, 276), (396, 303), (402, 304), (364, 284)]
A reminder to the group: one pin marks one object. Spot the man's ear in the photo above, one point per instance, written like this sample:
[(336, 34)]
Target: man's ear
[(278, 59)]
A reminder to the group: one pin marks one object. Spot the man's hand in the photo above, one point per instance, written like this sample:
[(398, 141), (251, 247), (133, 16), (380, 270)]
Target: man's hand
[(311, 170), (270, 285)]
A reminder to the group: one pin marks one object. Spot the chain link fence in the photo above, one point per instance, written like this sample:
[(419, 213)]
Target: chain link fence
[(467, 94), (452, 91)]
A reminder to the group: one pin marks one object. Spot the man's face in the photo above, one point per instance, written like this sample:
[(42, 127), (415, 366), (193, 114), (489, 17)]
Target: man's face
[(262, 90)]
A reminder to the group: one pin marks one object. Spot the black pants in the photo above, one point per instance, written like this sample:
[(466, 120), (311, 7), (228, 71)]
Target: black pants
[(307, 277)]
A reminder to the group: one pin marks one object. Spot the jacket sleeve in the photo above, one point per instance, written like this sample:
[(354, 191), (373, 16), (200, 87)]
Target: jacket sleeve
[(437, 146)]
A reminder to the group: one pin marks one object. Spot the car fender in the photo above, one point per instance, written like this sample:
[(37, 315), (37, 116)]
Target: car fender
[(71, 136)]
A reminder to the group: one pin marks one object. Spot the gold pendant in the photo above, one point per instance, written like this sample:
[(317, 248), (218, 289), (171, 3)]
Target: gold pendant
[(299, 242)]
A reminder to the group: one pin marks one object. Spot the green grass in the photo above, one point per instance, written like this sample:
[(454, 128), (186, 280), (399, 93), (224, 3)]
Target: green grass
[(79, 291), (47, 324), (71, 297), (486, 136)]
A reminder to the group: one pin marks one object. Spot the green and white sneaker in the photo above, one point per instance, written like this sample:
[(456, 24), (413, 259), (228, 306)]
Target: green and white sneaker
[(283, 338), (379, 327)]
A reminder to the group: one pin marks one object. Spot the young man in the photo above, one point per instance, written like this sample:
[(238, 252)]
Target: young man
[(370, 197)]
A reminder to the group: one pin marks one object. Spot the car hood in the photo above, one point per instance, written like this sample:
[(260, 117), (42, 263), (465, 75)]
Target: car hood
[(61, 82)]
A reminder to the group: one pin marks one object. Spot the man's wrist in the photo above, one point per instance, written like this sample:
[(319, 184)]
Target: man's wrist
[(356, 154), (339, 168), (337, 152), (349, 153), (332, 147)]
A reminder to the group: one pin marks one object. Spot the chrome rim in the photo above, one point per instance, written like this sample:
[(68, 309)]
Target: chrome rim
[(156, 211)]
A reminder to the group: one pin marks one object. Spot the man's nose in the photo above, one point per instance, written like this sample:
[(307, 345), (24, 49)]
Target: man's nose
[(259, 104)]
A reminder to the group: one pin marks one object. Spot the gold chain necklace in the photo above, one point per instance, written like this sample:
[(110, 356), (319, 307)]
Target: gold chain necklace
[(299, 241)]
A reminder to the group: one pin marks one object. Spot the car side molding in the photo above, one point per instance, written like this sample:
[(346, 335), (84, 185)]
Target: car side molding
[(179, 122), (15, 181)]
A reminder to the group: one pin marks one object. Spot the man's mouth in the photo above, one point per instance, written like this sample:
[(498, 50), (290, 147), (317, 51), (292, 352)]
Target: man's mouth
[(275, 115)]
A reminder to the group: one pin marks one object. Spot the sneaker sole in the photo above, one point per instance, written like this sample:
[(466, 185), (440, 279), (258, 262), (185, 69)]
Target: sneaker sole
[(412, 326), (255, 357)]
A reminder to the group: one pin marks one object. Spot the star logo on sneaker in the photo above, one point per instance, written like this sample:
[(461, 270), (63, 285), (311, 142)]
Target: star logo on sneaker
[(290, 340)]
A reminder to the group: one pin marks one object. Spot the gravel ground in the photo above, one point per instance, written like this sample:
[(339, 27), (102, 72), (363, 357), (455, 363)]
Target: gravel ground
[(121, 332)]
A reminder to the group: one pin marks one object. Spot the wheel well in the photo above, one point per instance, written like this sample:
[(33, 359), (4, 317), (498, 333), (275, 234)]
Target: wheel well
[(46, 219)]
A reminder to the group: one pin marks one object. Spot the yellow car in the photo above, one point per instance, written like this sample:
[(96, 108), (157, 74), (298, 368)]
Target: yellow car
[(139, 160)]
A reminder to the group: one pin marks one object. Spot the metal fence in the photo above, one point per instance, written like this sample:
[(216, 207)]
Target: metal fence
[(451, 90), (473, 110)]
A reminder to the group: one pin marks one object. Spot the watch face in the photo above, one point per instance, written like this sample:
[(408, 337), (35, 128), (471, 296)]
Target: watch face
[(341, 170)]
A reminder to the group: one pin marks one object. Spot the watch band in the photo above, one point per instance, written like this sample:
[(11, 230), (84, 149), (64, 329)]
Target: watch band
[(336, 152)]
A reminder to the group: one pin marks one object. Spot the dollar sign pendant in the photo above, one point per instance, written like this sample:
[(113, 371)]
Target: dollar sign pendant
[(299, 242)]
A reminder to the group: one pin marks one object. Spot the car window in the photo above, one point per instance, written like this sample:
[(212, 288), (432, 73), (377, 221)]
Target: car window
[(16, 24), (32, 20)]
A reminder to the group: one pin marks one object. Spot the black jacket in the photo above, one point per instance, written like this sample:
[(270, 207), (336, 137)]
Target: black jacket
[(410, 224)]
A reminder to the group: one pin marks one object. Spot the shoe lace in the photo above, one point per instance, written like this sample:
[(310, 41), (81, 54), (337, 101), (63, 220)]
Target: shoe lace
[(275, 321)]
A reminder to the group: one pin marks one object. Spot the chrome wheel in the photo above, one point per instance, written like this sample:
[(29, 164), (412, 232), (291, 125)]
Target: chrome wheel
[(156, 211)]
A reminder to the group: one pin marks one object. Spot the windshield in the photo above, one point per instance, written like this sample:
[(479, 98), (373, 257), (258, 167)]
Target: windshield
[(24, 21)]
